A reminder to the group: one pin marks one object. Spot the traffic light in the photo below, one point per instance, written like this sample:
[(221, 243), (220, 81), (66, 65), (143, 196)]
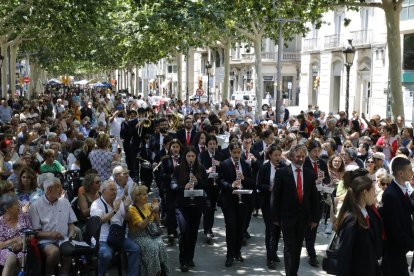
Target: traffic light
[(200, 82), (316, 82)]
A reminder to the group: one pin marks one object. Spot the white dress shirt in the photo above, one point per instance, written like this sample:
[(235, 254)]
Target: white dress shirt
[(295, 175)]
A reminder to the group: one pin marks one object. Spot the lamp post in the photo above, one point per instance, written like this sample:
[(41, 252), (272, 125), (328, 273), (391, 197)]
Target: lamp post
[(349, 54), (208, 70), (1, 66)]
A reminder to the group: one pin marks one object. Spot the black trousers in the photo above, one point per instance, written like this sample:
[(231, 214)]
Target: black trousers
[(394, 264), (293, 238), (272, 233), (209, 208), (235, 215), (188, 219), (310, 238), (170, 214)]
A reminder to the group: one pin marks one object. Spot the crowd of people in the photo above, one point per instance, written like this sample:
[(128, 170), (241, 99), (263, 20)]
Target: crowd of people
[(67, 157)]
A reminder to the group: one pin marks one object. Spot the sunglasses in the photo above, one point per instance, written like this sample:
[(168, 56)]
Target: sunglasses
[(385, 183), (368, 162), (347, 147)]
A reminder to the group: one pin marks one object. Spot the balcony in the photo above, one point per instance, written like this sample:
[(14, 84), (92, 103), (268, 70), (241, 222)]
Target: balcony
[(310, 44), (333, 41), (361, 37), (291, 56), (269, 56)]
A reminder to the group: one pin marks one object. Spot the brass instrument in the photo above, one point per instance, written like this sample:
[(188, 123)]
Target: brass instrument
[(177, 118), (145, 123)]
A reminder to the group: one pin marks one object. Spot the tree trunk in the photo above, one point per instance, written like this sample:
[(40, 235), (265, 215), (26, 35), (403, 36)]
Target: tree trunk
[(258, 64), (392, 15), (226, 82), (35, 74), (3, 45), (179, 76), (13, 54)]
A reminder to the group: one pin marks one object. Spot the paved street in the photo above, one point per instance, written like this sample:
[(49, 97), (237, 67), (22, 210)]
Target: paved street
[(209, 259)]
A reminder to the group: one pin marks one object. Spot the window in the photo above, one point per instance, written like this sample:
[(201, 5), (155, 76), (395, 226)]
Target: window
[(172, 69), (407, 11), (408, 53)]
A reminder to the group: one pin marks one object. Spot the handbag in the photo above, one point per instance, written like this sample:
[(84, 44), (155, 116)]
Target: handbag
[(153, 228), (116, 234), (330, 262)]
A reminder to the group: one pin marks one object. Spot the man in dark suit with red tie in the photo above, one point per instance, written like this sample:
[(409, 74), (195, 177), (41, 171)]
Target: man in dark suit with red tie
[(294, 205), (187, 134), (397, 217)]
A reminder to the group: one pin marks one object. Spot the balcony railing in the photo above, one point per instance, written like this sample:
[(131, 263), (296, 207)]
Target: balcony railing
[(310, 44), (291, 56), (333, 41), (269, 55), (361, 37)]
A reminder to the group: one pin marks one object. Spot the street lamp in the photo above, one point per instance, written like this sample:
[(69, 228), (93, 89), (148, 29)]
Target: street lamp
[(208, 70), (349, 54)]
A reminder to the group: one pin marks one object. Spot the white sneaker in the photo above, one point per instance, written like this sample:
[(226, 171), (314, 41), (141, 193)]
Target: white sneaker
[(328, 229)]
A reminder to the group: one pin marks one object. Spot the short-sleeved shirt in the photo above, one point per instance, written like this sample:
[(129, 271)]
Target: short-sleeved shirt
[(98, 209), (56, 216), (101, 161), (54, 167), (135, 216)]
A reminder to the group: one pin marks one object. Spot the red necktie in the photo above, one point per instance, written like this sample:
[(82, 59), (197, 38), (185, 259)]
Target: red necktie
[(315, 168), (299, 185), (187, 140), (367, 220)]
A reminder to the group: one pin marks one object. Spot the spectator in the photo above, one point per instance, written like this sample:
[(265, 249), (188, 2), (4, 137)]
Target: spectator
[(113, 211), (101, 158), (52, 216), (154, 254), (50, 164), (12, 223)]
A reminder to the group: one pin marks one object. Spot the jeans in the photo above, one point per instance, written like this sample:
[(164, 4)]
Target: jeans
[(105, 256)]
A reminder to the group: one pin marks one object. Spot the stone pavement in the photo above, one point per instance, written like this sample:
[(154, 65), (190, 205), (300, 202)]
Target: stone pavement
[(209, 259)]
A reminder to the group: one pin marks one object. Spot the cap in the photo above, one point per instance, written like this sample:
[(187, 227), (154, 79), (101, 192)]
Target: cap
[(378, 155)]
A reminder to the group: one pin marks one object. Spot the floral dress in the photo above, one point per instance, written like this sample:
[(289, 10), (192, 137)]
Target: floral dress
[(153, 251), (7, 233)]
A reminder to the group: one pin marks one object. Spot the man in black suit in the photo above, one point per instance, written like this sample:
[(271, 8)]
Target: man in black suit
[(234, 173), (268, 138), (396, 213), (156, 140), (320, 169), (187, 134), (294, 205)]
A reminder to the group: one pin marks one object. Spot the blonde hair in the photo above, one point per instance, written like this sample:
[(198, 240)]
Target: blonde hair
[(138, 190), (88, 145), (102, 141)]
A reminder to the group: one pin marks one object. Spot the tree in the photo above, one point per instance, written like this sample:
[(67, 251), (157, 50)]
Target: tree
[(392, 10)]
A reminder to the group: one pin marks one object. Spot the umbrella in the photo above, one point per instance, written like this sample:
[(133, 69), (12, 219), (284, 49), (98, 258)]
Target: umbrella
[(81, 82), (54, 81)]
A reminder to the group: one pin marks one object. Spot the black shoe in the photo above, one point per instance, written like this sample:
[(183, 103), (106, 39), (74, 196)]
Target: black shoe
[(191, 263), (171, 239), (184, 268), (271, 264), (229, 262), (209, 239), (277, 259), (239, 258), (314, 262)]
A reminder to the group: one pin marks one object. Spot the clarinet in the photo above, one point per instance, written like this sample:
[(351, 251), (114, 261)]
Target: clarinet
[(238, 178), (213, 166), (192, 183)]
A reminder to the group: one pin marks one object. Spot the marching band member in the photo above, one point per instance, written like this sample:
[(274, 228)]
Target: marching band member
[(189, 174), (265, 183), (210, 159), (234, 173), (167, 169)]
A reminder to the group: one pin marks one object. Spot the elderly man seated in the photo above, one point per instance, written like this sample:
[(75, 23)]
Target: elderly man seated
[(52, 216), (112, 211), (120, 175)]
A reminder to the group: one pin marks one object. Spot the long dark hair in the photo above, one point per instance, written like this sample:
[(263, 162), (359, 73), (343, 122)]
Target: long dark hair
[(184, 168), (356, 182)]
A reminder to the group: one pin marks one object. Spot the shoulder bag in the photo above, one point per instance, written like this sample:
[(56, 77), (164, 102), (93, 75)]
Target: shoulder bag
[(116, 235), (153, 228)]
